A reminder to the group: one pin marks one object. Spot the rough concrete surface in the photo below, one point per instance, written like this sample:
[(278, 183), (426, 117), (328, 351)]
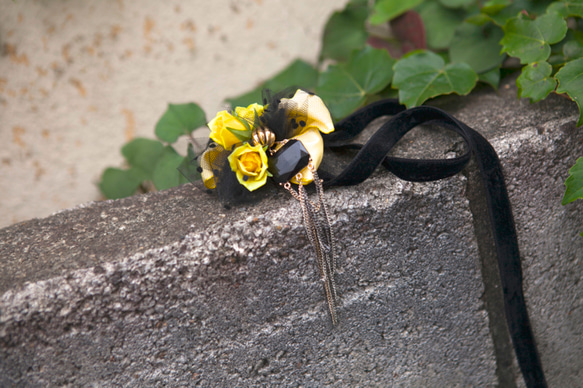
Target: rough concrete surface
[(78, 79), (171, 289)]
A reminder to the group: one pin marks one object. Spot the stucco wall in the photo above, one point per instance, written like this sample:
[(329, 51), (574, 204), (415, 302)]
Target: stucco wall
[(80, 78)]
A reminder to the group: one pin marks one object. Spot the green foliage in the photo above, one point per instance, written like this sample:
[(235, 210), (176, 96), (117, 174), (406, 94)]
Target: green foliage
[(530, 40), (344, 33), (478, 46), (179, 120), (150, 162), (117, 183), (570, 79), (535, 81), (452, 45), (299, 73), (574, 183), (385, 10), (346, 86), (422, 75), (143, 154), (440, 23), (166, 174)]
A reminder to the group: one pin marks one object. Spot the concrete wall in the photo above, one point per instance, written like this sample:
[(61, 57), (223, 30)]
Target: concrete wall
[(170, 289), (80, 78)]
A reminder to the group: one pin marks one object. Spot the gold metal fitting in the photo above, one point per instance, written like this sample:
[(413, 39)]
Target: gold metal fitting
[(263, 136)]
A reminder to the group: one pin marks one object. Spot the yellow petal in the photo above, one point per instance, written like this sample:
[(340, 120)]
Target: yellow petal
[(312, 140)]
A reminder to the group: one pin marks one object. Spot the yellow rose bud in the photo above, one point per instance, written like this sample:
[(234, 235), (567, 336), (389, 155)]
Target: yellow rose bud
[(249, 112), (250, 165), (224, 123)]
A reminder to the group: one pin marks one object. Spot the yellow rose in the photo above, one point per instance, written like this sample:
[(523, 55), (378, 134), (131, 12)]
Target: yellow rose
[(224, 123), (250, 165), (249, 112)]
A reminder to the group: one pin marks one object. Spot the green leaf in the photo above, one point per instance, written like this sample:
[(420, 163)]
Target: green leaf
[(530, 40), (424, 74), (477, 46), (570, 79), (189, 165), (517, 7), (299, 73), (456, 3), (344, 32), (536, 82), (478, 19), (573, 49), (567, 8), (440, 23), (492, 7), (166, 174), (117, 183), (243, 136), (491, 78), (574, 183), (385, 10), (345, 87), (178, 120), (143, 154)]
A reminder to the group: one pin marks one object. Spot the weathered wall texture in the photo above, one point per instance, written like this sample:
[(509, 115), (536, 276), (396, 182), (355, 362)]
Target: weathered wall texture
[(80, 78), (170, 289)]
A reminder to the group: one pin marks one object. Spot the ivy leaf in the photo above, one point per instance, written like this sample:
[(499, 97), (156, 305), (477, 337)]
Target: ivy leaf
[(573, 49), (536, 82), (117, 183), (570, 79), (143, 154), (491, 78), (178, 120), (492, 7), (299, 73), (567, 8), (456, 3), (477, 46), (424, 74), (385, 10), (189, 166), (440, 23), (516, 7), (574, 183), (530, 40), (166, 174), (345, 87), (344, 32)]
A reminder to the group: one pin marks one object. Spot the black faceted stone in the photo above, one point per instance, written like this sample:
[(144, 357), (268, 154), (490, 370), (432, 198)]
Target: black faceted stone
[(288, 161)]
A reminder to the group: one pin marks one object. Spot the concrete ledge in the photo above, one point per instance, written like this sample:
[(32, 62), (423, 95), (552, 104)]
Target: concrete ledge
[(171, 289)]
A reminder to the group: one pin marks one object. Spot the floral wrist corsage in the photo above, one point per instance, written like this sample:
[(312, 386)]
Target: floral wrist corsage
[(279, 140), (276, 140)]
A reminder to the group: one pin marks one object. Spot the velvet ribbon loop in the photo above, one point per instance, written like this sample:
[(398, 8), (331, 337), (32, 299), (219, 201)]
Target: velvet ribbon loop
[(374, 153)]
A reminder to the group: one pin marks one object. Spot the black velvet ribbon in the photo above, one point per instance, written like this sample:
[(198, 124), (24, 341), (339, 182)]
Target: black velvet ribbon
[(374, 153)]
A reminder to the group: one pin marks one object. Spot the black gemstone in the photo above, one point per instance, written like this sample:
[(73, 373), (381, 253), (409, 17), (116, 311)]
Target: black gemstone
[(288, 161), (303, 123)]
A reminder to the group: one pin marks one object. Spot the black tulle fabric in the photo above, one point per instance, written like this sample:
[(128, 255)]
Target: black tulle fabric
[(374, 153)]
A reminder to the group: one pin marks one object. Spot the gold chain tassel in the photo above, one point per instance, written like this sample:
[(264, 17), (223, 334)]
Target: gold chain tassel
[(317, 225)]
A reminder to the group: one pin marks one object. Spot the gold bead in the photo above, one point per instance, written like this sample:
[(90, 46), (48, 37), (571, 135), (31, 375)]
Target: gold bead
[(263, 136)]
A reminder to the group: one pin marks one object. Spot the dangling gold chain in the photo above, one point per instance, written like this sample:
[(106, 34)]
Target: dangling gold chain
[(317, 225)]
